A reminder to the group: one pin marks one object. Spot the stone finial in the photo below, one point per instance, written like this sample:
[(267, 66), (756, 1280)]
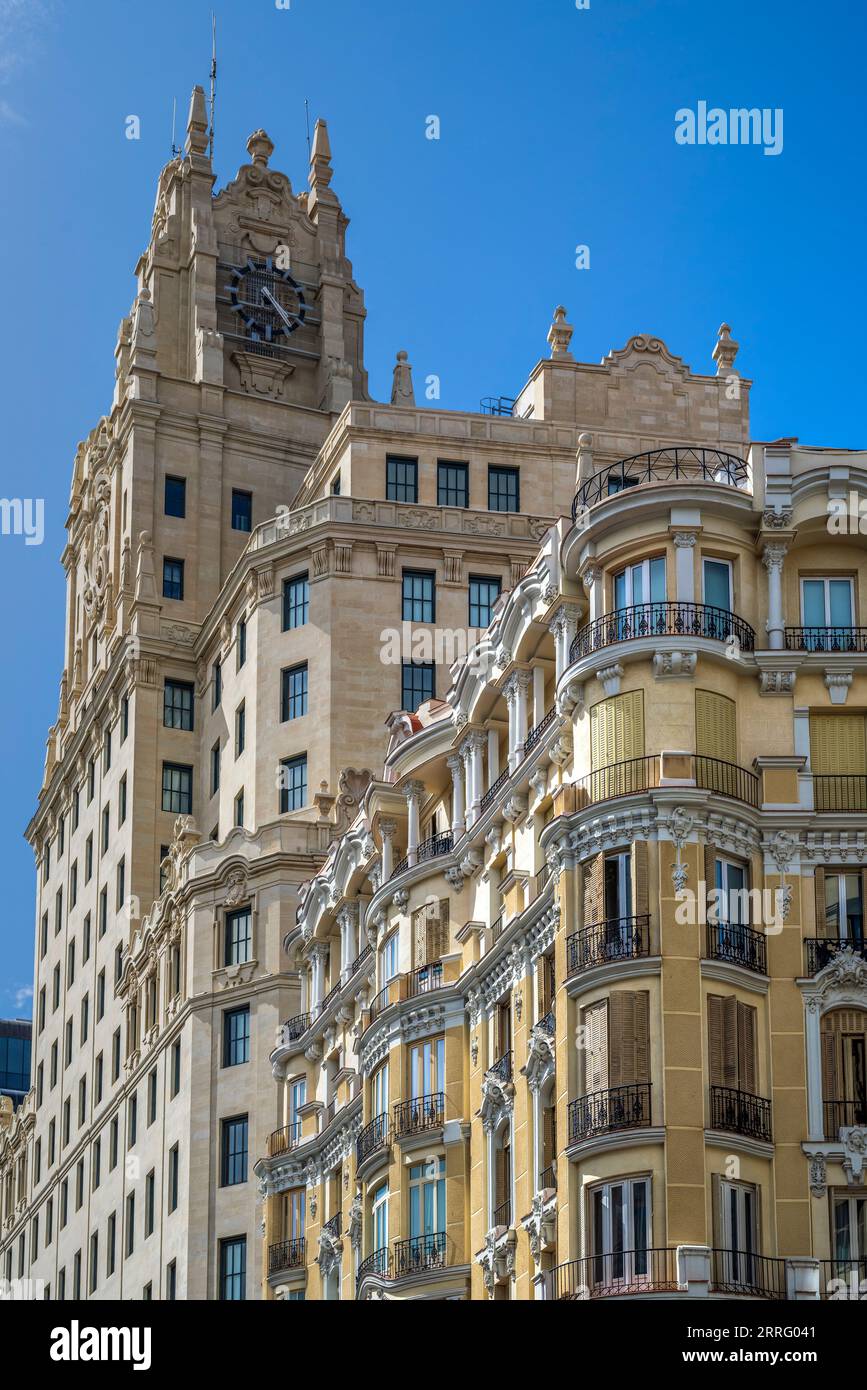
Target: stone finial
[(402, 390), (197, 125), (585, 457), (143, 317), (320, 157), (726, 350), (260, 148), (560, 335), (145, 582)]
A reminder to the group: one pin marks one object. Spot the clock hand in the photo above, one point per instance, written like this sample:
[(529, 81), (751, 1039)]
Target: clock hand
[(266, 294)]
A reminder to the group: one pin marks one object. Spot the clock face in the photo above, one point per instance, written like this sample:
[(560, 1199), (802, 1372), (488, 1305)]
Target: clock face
[(269, 301)]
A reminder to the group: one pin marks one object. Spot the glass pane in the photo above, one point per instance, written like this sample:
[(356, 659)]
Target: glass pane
[(638, 594), (814, 603), (717, 584), (414, 1216), (832, 903), (657, 580), (618, 1215), (639, 1226), (620, 600), (736, 885), (842, 1244), (840, 602), (854, 908)]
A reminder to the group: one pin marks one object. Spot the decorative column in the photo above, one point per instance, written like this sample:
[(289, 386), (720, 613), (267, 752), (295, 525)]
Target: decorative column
[(772, 558), (413, 791), (538, 695), (493, 756), (387, 830), (472, 751), (562, 628), (592, 581), (455, 765), (684, 565), (319, 955), (348, 919), (522, 685)]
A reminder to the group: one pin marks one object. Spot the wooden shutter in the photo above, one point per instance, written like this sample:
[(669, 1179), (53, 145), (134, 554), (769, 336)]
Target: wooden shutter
[(640, 878), (596, 1041), (437, 931), (710, 878), (419, 936), (838, 743), (628, 1038), (830, 1067), (821, 905), (549, 1135), (722, 1013), (746, 1025), (715, 726), (617, 729), (594, 890)]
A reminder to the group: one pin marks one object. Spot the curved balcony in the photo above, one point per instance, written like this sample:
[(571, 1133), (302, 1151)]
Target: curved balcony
[(378, 1264), (827, 639), (643, 774), (419, 1254), (821, 950), (741, 1273), (739, 1112), (431, 848), (735, 944), (296, 1027), (372, 1139), (616, 1275), (287, 1254), (602, 1112), (666, 618), (419, 1115), (679, 465), (281, 1141), (619, 938)]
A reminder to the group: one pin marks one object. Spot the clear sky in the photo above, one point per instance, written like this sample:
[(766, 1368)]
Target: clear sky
[(557, 129)]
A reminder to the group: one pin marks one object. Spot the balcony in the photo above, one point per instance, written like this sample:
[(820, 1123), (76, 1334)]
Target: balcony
[(287, 1254), (843, 1114), (662, 619), (373, 1139), (738, 1112), (334, 1227), (643, 774), (502, 1068), (620, 938), (419, 1115), (682, 465), (616, 1275), (295, 1028), (425, 978), (419, 1254), (537, 733), (502, 1215), (548, 1178), (837, 791), (377, 1264), (844, 640), (281, 1141), (819, 951), (493, 791), (737, 945), (431, 848), (843, 1279), (603, 1112), (741, 1273)]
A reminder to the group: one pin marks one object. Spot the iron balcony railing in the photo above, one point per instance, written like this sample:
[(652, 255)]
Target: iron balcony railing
[(502, 1068), (843, 1114), (280, 1141), (425, 978), (715, 775), (334, 1227), (548, 1178), (372, 1139), (843, 1279), (503, 1214), (826, 639), (642, 774), (739, 1112), (601, 1112), (821, 950), (418, 1254), (616, 1274), (548, 1023), (619, 938), (419, 1115), (287, 1254), (360, 960), (497, 405), (743, 1272), (296, 1027), (326, 1002), (431, 848), (838, 791), (378, 1264), (379, 1003), (662, 619), (737, 945), (679, 465), (491, 794), (537, 733), (497, 928)]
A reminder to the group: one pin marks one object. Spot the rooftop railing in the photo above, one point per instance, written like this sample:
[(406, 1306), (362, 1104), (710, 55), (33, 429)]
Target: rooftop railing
[(677, 465)]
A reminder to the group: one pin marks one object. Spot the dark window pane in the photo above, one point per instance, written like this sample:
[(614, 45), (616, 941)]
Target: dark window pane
[(177, 789), (483, 595), (234, 1151), (401, 480), (293, 784), (239, 937), (296, 597), (418, 597), (419, 683), (503, 491), (293, 699), (176, 497), (453, 488), (236, 1037), (242, 510), (233, 1269), (178, 705), (173, 579)]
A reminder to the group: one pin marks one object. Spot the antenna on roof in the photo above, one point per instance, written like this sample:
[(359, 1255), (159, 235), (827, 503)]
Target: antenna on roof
[(175, 150), (307, 116), (213, 81)]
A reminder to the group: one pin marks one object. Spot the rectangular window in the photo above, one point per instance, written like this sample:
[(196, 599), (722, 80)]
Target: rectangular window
[(120, 897), (43, 936), (293, 696), (132, 1122), (239, 937), (620, 1232), (73, 885), (121, 801), (171, 1281), (236, 1036), (106, 828), (88, 859), (106, 752), (164, 854), (296, 601), (293, 784), (242, 510), (176, 1068), (241, 643), (503, 490), (828, 611), (217, 673), (91, 779), (110, 1244), (115, 1055), (240, 728), (85, 939), (427, 1201), (484, 593), (70, 965), (103, 912), (98, 1079), (453, 485), (418, 597), (215, 768), (124, 729), (58, 910), (85, 1018), (173, 579), (239, 808), (177, 789), (152, 1097), (174, 1168), (178, 705), (233, 1269), (150, 1196), (130, 1224), (401, 479), (418, 684), (234, 1151), (96, 1165), (76, 808), (176, 497)]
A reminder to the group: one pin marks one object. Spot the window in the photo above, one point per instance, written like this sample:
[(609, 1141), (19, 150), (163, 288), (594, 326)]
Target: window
[(293, 696), (483, 595), (152, 1097), (178, 705), (53, 1065), (215, 768), (88, 859), (91, 779), (453, 485), (838, 760), (120, 896), (236, 1036), (620, 1232), (61, 1285), (70, 964), (296, 600), (106, 752), (85, 939), (241, 643), (641, 584), (103, 911), (293, 783), (233, 1269), (121, 801), (147, 1293), (124, 730), (150, 1191), (61, 824), (79, 1184), (617, 1052), (827, 604), (173, 579), (401, 480), (67, 1051), (176, 497), (732, 1044), (239, 937), (43, 937), (503, 490), (844, 1069), (335, 485), (379, 1217), (132, 1121), (82, 1101), (76, 807), (849, 1235), (115, 1055), (174, 1168), (390, 957), (172, 1281), (240, 728), (164, 853), (717, 585), (233, 1168), (73, 885), (55, 989), (427, 1202), (130, 1223), (297, 1099), (176, 1068), (738, 1226), (42, 1009), (840, 907), (85, 1019), (64, 1203), (105, 839), (96, 1165), (239, 808), (76, 1276), (418, 596), (49, 1221), (217, 673), (418, 684), (98, 1079), (177, 789), (242, 510), (58, 910)]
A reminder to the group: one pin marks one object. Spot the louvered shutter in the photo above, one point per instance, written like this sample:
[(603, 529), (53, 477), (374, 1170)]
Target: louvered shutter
[(596, 1040), (714, 913), (640, 883), (830, 1069), (419, 933), (617, 729), (746, 1026), (822, 928), (628, 1038), (715, 726), (838, 743), (594, 890), (723, 1039), (437, 931)]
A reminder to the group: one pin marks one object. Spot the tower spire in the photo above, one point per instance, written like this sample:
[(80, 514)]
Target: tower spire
[(196, 142)]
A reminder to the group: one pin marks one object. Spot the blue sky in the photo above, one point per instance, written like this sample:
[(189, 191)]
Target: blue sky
[(557, 130)]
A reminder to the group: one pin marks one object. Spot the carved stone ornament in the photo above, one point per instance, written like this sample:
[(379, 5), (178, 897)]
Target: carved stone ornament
[(680, 827), (355, 1215), (236, 888), (818, 1175), (854, 1142), (541, 1224)]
